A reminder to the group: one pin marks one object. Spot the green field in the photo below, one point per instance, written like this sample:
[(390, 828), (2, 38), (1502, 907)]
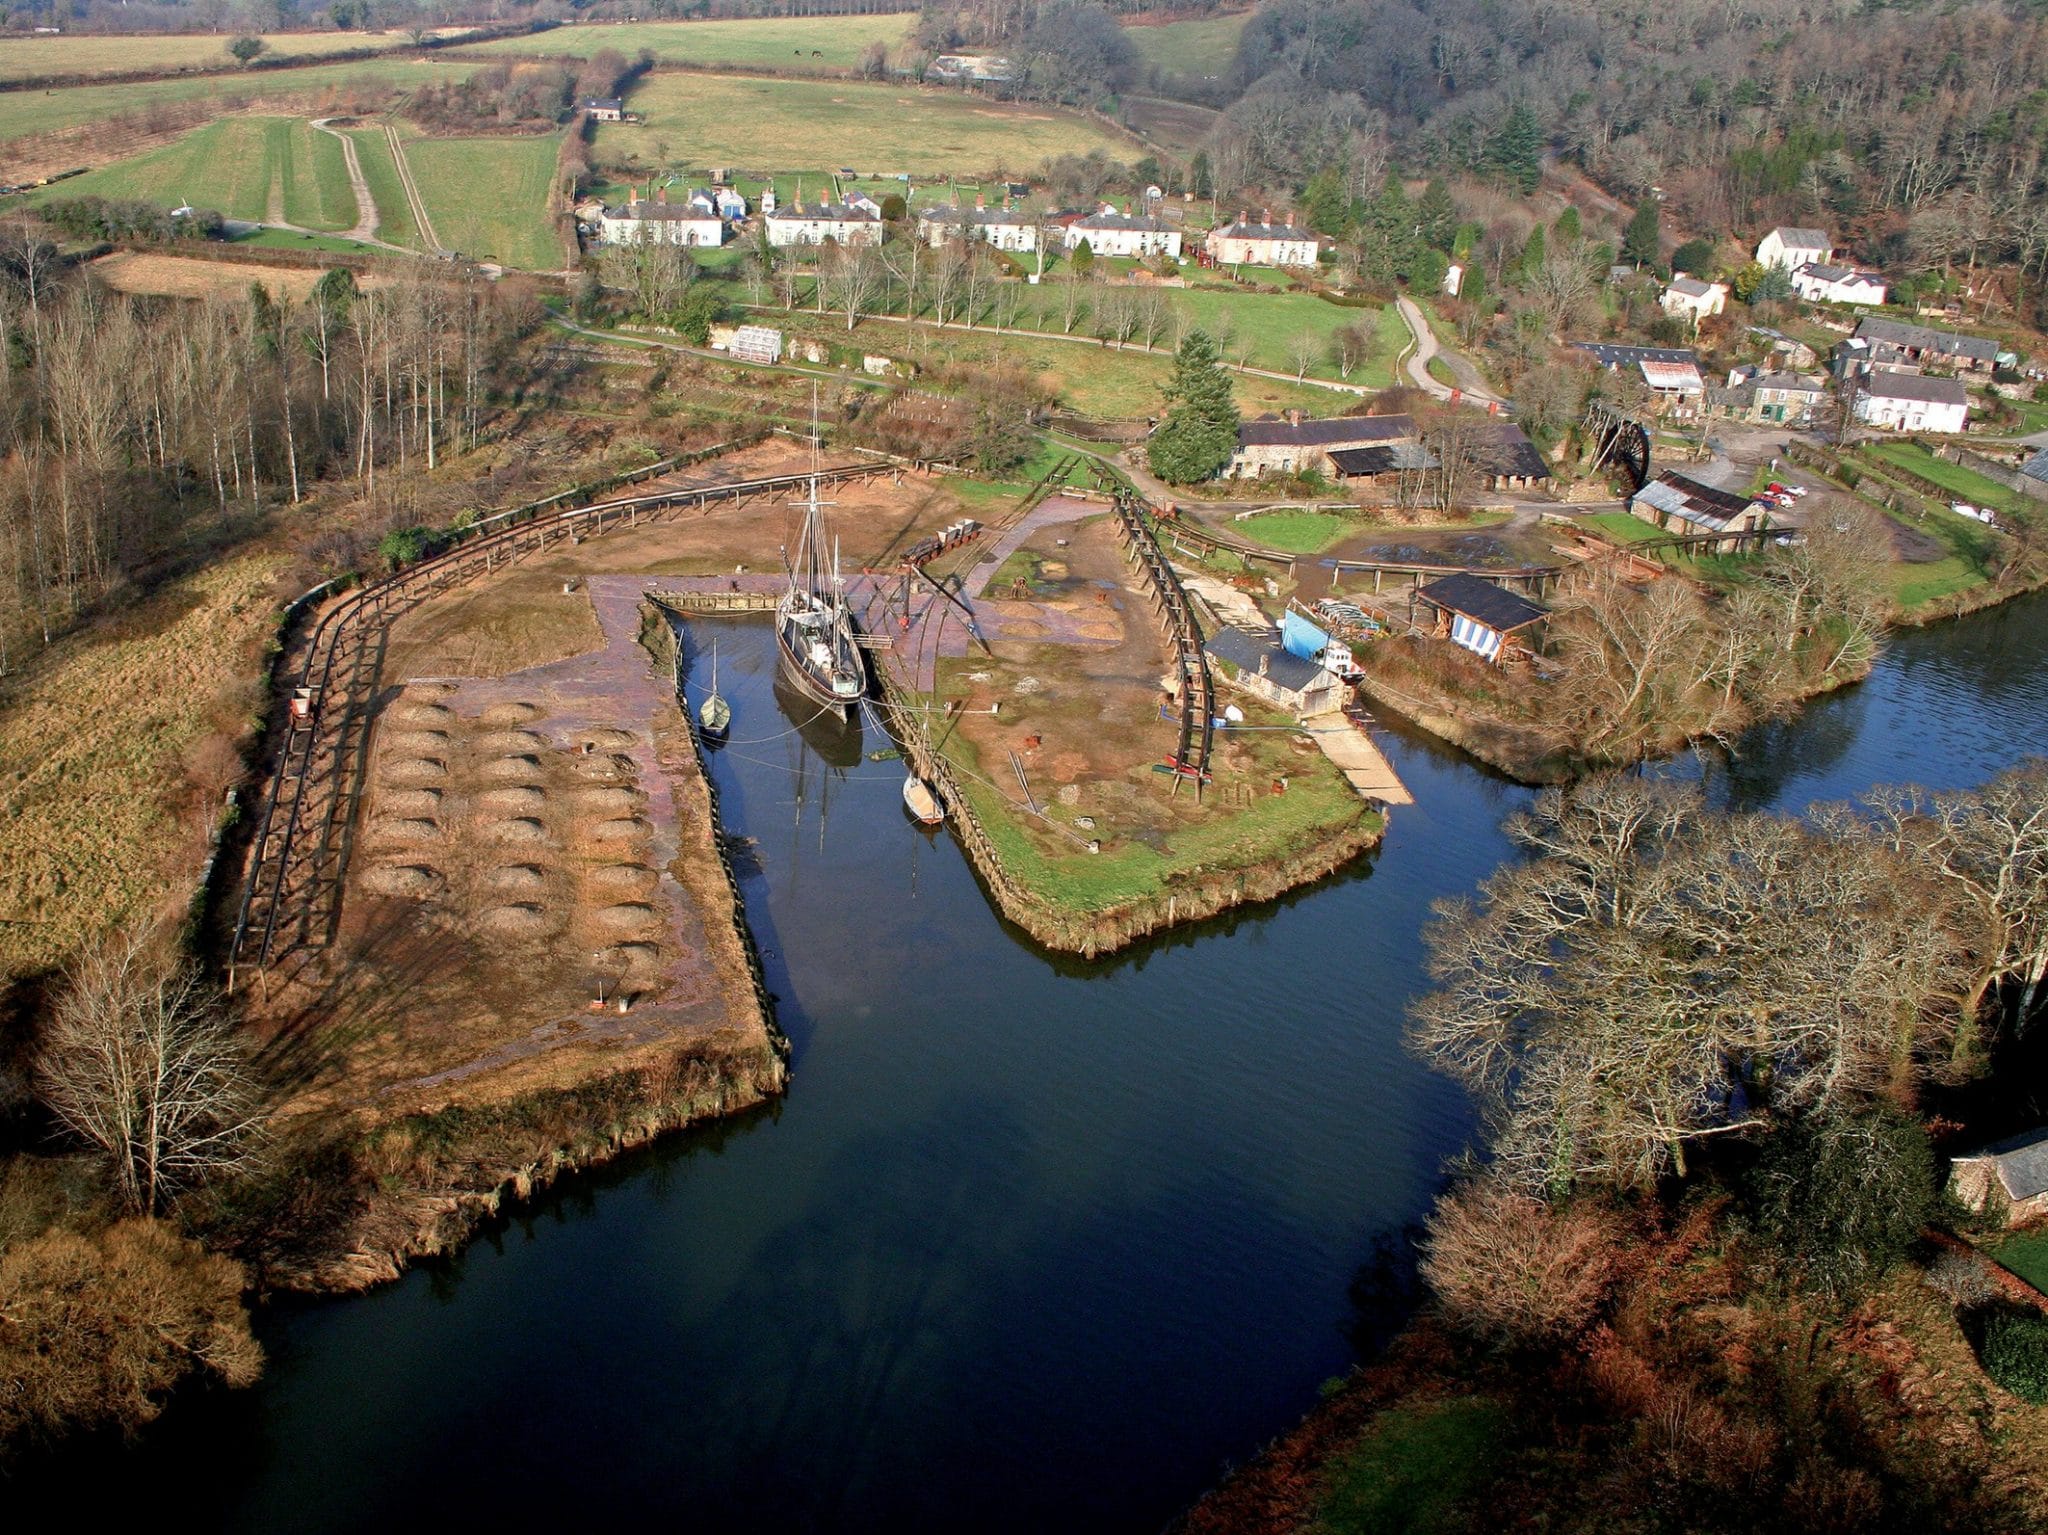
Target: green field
[(765, 43), (488, 198), (323, 87), (1963, 484), (1420, 1468), (30, 58), (1296, 532), (1197, 48), (764, 125), (247, 167), (394, 216)]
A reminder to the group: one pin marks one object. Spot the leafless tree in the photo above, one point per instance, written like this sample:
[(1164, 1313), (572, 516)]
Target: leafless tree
[(140, 1063), (1302, 351), (854, 278), (1351, 347), (1506, 1266)]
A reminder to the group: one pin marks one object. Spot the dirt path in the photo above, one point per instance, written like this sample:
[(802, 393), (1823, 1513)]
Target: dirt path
[(412, 193), (366, 206)]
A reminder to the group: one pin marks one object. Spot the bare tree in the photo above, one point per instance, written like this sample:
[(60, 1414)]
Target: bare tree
[(1302, 352), (1508, 1267), (854, 278), (140, 1063)]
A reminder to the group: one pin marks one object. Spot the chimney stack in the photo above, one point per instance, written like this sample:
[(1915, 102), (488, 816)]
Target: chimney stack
[(661, 195), (980, 206), (633, 197)]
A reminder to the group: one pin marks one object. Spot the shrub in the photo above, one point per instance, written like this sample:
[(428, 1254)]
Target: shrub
[(1842, 1196), (1960, 1279), (1511, 1269), (2014, 1353)]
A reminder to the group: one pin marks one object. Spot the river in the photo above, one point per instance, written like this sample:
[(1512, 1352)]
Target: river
[(1032, 1243)]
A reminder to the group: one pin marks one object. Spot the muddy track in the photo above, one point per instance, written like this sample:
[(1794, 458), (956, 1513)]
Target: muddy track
[(412, 193), (366, 205)]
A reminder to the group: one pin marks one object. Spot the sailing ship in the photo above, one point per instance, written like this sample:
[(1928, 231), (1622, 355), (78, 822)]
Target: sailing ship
[(714, 715), (813, 629)]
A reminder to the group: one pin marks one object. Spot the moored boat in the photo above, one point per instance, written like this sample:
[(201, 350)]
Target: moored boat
[(714, 715), (921, 802), (813, 628)]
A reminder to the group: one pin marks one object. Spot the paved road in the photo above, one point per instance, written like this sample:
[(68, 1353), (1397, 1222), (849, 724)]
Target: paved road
[(1470, 385)]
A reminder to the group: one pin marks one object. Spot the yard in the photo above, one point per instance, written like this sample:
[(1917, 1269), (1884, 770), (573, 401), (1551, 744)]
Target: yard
[(878, 129), (488, 197), (252, 168), (2026, 1254), (1296, 532), (775, 42)]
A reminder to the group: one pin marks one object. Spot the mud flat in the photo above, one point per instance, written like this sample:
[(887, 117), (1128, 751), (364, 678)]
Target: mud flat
[(541, 959)]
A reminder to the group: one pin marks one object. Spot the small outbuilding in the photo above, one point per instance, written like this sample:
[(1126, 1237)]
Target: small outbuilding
[(1485, 619), (2010, 1174), (1262, 665)]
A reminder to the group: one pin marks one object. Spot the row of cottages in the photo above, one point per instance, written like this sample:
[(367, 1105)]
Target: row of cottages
[(1671, 373), (842, 223), (1791, 247), (1110, 233), (1819, 283), (660, 222), (1243, 243), (1880, 343), (1691, 299), (1675, 504), (1373, 450), (1004, 228)]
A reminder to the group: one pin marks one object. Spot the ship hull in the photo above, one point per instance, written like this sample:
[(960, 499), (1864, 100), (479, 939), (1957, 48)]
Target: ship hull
[(806, 681)]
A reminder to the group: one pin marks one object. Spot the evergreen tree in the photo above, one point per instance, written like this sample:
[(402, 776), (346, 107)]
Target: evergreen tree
[(1083, 257), (1533, 255), (1437, 215), (1567, 228), (1393, 225), (1201, 180), (1199, 433), (1325, 205), (1516, 152), (1639, 242)]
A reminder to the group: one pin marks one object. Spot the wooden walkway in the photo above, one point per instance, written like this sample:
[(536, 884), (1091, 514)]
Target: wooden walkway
[(1363, 764)]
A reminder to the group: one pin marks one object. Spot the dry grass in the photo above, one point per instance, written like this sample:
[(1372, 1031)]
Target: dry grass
[(98, 741), (40, 58), (517, 620), (183, 277)]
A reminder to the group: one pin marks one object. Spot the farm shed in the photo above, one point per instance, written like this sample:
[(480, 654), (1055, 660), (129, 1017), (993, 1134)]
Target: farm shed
[(1480, 616)]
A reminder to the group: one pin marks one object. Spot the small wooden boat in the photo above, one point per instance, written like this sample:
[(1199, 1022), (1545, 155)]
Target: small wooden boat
[(714, 715), (919, 800)]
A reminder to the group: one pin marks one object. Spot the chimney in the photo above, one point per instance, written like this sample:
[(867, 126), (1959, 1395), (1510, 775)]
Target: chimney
[(1294, 416), (661, 195), (1265, 660), (633, 197), (1243, 217), (1266, 217), (980, 206)]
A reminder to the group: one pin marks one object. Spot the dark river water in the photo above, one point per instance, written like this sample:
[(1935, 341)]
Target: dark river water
[(1031, 1244)]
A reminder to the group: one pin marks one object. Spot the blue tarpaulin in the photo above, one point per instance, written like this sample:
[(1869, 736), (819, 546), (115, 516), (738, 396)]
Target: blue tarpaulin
[(1299, 637)]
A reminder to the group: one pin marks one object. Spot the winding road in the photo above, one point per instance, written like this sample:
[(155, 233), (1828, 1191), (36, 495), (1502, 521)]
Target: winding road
[(1470, 386)]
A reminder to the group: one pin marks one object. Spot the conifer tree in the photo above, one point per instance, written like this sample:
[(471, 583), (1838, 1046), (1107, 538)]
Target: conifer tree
[(1640, 240), (1438, 215), (1517, 150), (1199, 433)]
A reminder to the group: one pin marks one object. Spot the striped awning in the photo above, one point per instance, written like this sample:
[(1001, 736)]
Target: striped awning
[(1475, 637)]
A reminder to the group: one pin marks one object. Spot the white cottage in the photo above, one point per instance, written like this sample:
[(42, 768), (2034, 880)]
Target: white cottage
[(660, 223), (1691, 299), (799, 224), (1110, 233), (1819, 283), (1262, 244), (1912, 402), (1004, 228), (1790, 247)]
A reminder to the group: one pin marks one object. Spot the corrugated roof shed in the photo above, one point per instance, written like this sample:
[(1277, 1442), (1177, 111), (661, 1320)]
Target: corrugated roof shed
[(1385, 459), (1690, 501), (1476, 598)]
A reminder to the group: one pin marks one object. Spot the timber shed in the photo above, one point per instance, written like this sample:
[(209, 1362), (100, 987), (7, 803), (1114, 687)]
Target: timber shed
[(2013, 1172), (1480, 616)]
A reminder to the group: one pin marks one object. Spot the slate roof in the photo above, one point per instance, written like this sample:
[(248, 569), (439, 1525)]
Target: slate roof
[(1916, 386), (831, 213), (1332, 432), (1355, 462), (1242, 648), (1241, 230), (1610, 355), (2022, 1163), (1471, 597), (1803, 239), (605, 104), (1923, 338), (2036, 468), (1133, 221), (669, 212), (1822, 272), (1790, 382), (1501, 447), (1692, 287), (985, 217)]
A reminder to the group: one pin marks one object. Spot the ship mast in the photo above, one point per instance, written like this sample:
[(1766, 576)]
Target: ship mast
[(811, 544)]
